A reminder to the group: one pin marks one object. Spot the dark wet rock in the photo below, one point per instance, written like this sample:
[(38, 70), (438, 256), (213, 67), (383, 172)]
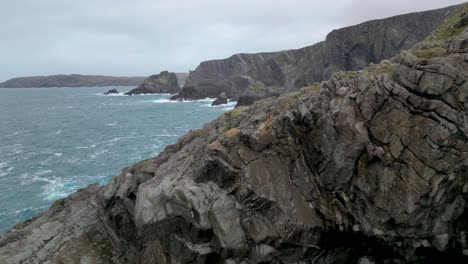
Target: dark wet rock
[(165, 82), (222, 99), (367, 167), (112, 91), (69, 232), (232, 87)]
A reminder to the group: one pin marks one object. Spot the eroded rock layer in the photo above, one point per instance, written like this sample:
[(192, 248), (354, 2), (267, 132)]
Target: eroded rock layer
[(350, 48), (367, 167)]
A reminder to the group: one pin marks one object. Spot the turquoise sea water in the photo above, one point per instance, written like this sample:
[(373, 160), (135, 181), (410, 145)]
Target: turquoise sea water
[(55, 140)]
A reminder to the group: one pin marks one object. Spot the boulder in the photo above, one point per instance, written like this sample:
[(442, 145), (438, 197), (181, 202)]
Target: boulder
[(112, 91), (222, 99)]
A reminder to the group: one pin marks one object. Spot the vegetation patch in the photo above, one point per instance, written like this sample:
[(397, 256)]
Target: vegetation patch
[(231, 119), (452, 26), (312, 88), (429, 53), (58, 203), (195, 133)]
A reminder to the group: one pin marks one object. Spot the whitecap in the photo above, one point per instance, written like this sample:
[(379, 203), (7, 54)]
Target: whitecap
[(58, 154), (11, 146), (4, 164), (162, 101), (43, 172), (86, 147), (121, 138), (167, 135), (56, 132), (111, 124)]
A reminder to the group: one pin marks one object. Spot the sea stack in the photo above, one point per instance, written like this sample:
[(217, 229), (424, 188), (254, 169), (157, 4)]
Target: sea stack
[(112, 91), (222, 99), (164, 82)]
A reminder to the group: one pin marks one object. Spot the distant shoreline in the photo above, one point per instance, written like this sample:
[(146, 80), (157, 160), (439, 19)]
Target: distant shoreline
[(72, 81)]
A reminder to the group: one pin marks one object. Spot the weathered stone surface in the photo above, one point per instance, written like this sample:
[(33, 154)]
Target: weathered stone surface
[(367, 167), (222, 99), (69, 232), (164, 82), (350, 48), (370, 168)]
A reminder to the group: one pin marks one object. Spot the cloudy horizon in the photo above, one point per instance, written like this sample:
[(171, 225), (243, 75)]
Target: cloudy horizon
[(143, 37)]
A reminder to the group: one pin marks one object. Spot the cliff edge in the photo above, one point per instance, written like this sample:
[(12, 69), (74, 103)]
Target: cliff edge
[(367, 167)]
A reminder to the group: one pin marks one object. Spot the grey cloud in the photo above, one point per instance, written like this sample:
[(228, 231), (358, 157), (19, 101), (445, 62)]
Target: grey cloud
[(142, 37)]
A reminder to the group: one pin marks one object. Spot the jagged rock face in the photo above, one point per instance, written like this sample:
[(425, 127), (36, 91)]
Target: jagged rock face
[(69, 232), (350, 48), (222, 99), (165, 82), (232, 87), (372, 168), (368, 167)]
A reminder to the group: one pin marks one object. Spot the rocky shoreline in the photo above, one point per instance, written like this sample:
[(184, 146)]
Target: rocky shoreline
[(367, 167)]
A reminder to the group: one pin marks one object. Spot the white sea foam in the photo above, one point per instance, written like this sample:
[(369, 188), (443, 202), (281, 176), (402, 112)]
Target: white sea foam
[(15, 133), (162, 101), (228, 108), (86, 147), (167, 135), (111, 124), (56, 132), (10, 146), (121, 138), (43, 172), (58, 154), (230, 104), (4, 164)]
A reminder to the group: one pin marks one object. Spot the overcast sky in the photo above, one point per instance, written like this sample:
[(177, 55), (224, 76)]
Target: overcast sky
[(142, 37)]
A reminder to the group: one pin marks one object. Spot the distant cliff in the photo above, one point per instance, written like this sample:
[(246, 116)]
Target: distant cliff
[(350, 48), (73, 80), (164, 82)]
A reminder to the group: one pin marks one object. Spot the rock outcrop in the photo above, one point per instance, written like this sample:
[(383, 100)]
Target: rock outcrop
[(232, 87), (164, 82), (351, 48), (112, 91), (69, 232), (367, 167), (222, 99), (73, 80)]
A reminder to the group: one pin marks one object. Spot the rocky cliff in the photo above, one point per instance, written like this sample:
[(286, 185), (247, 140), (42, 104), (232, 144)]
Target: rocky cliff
[(350, 48), (74, 80), (164, 82), (367, 167)]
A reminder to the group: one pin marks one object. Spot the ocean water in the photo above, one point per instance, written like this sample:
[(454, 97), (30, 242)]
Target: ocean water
[(56, 140)]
